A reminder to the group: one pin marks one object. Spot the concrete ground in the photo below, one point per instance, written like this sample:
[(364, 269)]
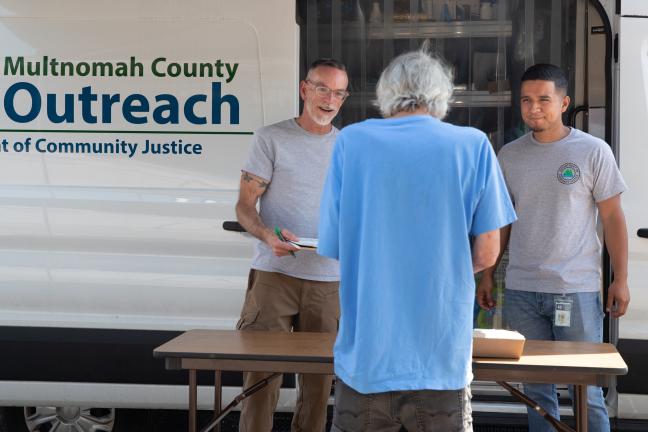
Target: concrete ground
[(173, 421)]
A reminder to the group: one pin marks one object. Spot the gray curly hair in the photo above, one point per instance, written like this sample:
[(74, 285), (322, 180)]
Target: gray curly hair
[(412, 81)]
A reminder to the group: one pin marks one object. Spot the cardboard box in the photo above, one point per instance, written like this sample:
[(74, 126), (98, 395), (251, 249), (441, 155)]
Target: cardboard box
[(497, 343)]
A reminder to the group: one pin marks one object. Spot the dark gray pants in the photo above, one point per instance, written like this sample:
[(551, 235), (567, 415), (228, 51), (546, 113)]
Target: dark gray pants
[(417, 411)]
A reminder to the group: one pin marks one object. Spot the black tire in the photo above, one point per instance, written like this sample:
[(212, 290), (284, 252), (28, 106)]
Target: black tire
[(12, 419)]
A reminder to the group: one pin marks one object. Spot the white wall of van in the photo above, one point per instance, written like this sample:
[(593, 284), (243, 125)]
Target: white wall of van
[(114, 237)]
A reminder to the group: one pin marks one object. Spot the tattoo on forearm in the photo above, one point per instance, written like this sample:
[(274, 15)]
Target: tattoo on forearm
[(248, 178)]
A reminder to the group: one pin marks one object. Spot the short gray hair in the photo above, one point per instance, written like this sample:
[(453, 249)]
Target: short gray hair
[(415, 80)]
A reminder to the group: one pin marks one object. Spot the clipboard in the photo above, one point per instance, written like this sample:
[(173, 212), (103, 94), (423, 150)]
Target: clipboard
[(305, 243)]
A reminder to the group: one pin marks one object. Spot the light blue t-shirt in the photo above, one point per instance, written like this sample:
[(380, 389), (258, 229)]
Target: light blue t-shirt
[(401, 199)]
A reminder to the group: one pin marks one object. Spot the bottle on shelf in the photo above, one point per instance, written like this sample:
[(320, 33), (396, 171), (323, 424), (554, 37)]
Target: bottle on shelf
[(447, 10), (375, 16), (428, 9), (486, 10)]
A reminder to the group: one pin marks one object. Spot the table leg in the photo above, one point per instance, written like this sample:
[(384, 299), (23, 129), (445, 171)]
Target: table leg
[(218, 397), (557, 424), (193, 399), (580, 407), (246, 393)]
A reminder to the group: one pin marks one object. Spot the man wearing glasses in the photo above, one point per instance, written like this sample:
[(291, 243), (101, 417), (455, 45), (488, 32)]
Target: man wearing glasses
[(285, 171)]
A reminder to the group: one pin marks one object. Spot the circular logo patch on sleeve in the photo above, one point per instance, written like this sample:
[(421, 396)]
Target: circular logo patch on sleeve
[(568, 173)]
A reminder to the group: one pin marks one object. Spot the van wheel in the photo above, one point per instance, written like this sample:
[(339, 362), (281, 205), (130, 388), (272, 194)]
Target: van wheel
[(69, 419)]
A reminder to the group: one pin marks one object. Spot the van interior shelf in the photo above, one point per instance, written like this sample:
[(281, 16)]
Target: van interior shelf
[(481, 99), (430, 29), (461, 98)]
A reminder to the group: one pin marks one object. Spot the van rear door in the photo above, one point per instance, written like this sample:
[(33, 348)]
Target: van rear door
[(633, 152)]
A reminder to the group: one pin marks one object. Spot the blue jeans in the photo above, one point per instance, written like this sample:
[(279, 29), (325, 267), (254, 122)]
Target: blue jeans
[(532, 314)]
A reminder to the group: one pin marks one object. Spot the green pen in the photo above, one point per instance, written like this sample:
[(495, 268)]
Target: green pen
[(281, 237)]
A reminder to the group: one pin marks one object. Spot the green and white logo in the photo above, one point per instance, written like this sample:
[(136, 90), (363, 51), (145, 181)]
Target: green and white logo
[(568, 173)]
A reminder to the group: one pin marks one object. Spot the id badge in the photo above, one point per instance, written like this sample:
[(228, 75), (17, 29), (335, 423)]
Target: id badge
[(562, 311)]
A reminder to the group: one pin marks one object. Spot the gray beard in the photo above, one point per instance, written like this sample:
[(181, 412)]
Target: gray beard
[(320, 120)]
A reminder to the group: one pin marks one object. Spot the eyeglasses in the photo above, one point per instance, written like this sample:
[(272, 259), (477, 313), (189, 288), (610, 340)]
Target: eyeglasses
[(323, 91)]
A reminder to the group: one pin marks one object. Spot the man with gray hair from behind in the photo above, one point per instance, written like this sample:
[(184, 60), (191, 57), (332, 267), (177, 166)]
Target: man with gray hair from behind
[(402, 198)]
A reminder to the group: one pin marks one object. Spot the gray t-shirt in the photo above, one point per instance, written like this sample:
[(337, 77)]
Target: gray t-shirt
[(295, 163), (554, 246)]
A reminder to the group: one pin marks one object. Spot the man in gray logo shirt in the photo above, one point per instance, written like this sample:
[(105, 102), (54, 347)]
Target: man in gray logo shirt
[(560, 179), (289, 289)]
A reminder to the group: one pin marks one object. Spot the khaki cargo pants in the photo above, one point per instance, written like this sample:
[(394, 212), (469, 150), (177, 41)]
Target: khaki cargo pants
[(275, 301)]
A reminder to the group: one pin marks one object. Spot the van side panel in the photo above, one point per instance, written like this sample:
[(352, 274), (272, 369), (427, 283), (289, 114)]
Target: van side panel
[(123, 127), (633, 117)]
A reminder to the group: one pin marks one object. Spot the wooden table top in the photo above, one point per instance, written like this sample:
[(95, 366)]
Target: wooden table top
[(577, 357), (572, 357), (250, 345)]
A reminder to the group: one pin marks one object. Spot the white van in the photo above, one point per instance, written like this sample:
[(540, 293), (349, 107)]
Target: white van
[(123, 126)]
